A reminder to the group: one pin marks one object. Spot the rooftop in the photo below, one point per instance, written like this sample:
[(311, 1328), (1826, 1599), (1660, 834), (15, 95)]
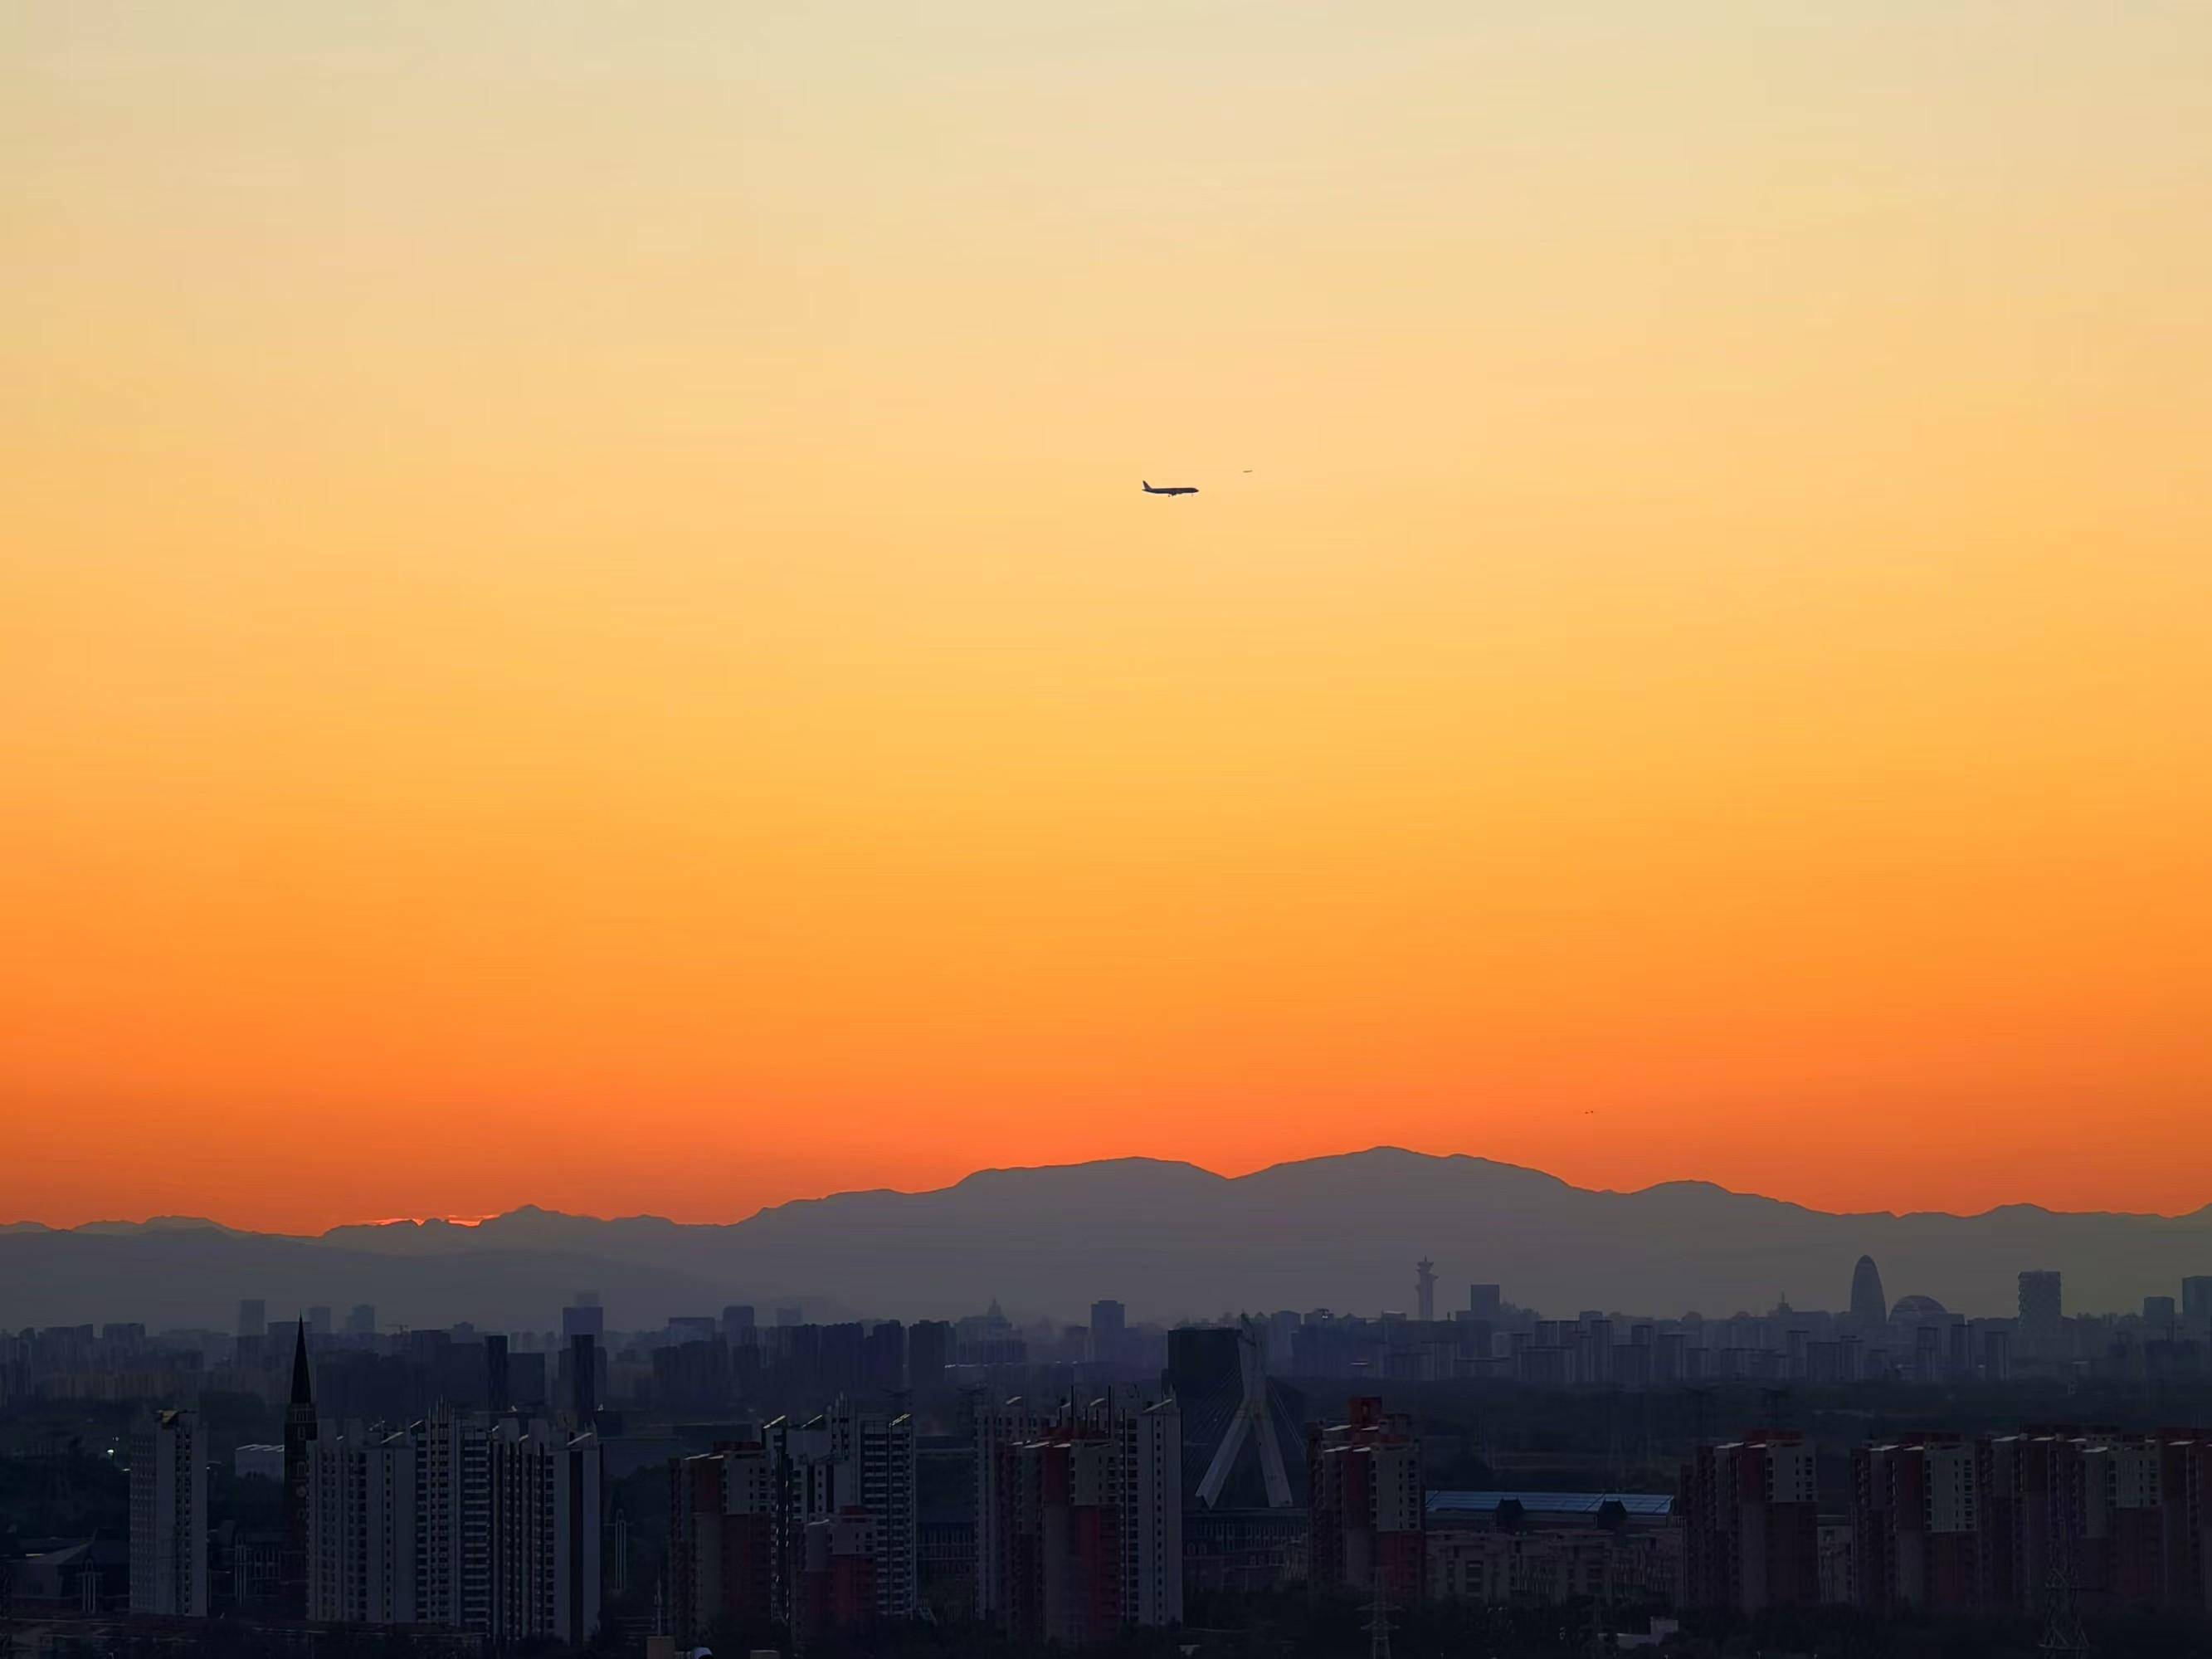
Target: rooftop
[(1647, 1505)]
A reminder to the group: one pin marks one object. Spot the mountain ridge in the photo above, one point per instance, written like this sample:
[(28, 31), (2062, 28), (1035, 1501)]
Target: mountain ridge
[(1165, 1236), (976, 1178)]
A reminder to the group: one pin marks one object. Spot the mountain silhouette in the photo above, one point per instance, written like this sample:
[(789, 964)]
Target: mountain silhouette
[(1169, 1239)]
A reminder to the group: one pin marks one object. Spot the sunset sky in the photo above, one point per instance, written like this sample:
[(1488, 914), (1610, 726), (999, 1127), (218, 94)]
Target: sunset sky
[(577, 624)]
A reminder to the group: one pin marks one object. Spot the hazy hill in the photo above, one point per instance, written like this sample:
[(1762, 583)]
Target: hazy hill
[(1167, 1238)]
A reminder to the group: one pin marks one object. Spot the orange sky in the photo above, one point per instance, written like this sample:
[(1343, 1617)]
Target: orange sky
[(578, 625)]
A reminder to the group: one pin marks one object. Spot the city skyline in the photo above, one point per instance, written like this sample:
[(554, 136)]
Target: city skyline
[(1346, 1232), (838, 829)]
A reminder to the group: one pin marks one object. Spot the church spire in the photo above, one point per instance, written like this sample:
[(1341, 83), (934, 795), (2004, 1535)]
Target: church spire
[(303, 1387), (300, 1432)]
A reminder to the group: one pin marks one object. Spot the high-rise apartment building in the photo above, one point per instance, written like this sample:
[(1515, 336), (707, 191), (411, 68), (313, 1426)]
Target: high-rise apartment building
[(1365, 1505), (254, 1317), (169, 1517), (871, 1457), (1079, 1527), (463, 1522), (2041, 1307), (813, 1524), (1916, 1525), (543, 1531), (727, 1537), (2196, 1298), (1751, 1524)]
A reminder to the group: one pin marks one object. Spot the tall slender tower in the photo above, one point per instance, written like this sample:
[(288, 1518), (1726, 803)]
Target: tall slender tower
[(298, 1434), (1868, 1311), (1424, 1286)]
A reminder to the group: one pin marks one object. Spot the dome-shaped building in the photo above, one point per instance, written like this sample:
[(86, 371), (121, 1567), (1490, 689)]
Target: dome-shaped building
[(1918, 1307), (1867, 1303)]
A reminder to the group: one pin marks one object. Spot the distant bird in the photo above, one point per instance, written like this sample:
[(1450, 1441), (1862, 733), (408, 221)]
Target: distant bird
[(1171, 489)]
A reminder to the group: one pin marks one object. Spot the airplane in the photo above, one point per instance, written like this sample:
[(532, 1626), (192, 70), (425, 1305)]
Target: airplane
[(1171, 489)]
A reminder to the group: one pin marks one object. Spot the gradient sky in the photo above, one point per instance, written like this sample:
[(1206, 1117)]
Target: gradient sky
[(578, 625)]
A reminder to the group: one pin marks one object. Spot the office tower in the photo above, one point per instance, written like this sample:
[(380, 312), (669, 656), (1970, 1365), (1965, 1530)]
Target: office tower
[(692, 1377), (2196, 1298), (2040, 1306), (580, 1384), (254, 1317), (1485, 1302), (1927, 1365), (1109, 1324), (1424, 1289), (1365, 1506), (498, 1392), (840, 1353), (168, 1516), (300, 1432), (928, 1352), (527, 1384), (584, 1317), (738, 1322), (1750, 1525), (1869, 1311), (319, 1322), (362, 1322), (2158, 1310), (2197, 1301), (789, 1315), (883, 1356), (1079, 1518)]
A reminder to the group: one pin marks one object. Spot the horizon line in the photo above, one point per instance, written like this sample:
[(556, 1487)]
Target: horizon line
[(472, 1221)]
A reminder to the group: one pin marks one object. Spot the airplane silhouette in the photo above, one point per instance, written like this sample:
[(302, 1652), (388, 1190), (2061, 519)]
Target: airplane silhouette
[(1171, 489)]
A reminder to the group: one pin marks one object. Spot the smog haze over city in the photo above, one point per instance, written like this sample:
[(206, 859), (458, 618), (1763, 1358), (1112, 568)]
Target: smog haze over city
[(1198, 828)]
